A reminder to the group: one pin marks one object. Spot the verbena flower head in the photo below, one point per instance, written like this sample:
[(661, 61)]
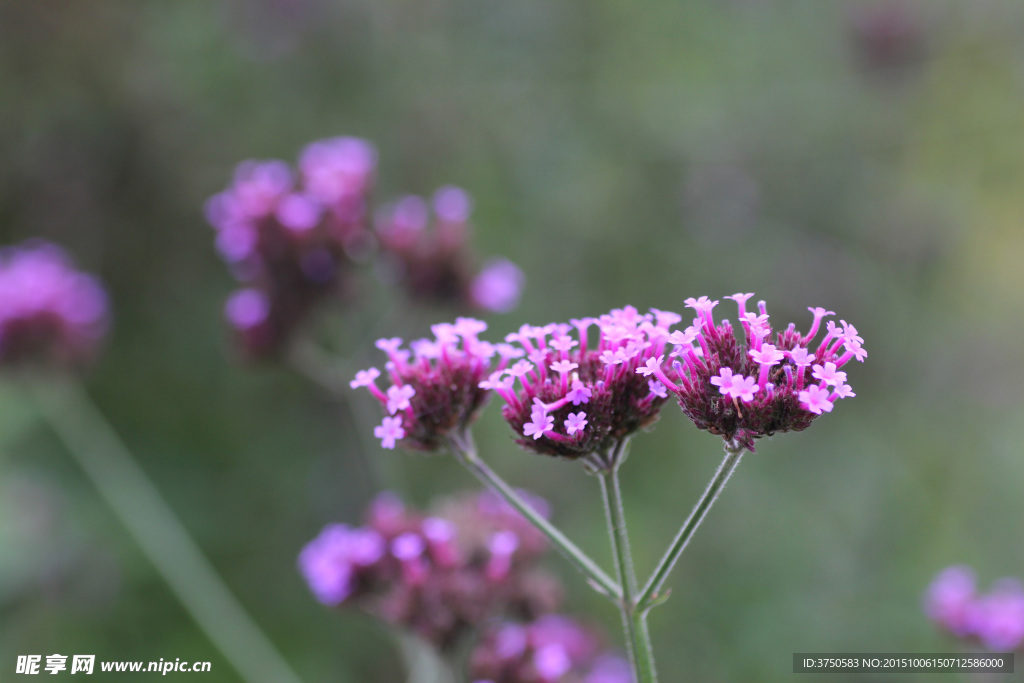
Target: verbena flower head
[(287, 236), (567, 397), (435, 388), (772, 381), (428, 251), (552, 649), (995, 620), (438, 575), (50, 312)]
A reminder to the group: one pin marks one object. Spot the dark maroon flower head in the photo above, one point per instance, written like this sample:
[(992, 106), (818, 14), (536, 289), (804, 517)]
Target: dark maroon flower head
[(426, 250), (290, 239), (552, 649), (50, 312), (438, 575), (435, 388), (575, 399), (773, 382)]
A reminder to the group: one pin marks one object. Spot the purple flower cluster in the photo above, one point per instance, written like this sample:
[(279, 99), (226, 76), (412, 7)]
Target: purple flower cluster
[(291, 237), (552, 649), (435, 388), (431, 258), (287, 236), (774, 382), (566, 397), (994, 619), (438, 575), (50, 312)]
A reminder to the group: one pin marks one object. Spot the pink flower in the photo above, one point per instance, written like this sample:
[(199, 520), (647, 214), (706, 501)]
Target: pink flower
[(701, 305), (657, 388), (723, 381), (744, 388), (398, 397), (247, 309), (498, 286), (1000, 617), (842, 391), (741, 301), (389, 431), (541, 422), (818, 314), (579, 393), (563, 343), (497, 381), (365, 378), (767, 355), (828, 374), (801, 357), (575, 423), (564, 366), (521, 368), (950, 600), (652, 366), (815, 400)]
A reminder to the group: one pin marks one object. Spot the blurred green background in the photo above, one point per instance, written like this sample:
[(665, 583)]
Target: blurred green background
[(863, 156)]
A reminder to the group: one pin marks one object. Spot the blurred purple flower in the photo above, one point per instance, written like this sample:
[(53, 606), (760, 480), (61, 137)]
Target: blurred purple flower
[(994, 619), (50, 312), (498, 286)]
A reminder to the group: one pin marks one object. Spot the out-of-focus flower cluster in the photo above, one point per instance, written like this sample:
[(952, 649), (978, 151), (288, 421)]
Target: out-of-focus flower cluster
[(552, 649), (289, 237), (440, 575), (995, 620), (431, 259), (50, 312), (292, 237)]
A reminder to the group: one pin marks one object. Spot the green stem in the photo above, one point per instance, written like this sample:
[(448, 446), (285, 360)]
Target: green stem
[(650, 596), (465, 452), (162, 538), (634, 621), (423, 663)]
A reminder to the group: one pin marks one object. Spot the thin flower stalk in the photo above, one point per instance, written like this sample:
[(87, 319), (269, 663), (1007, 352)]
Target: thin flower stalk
[(649, 596), (465, 452), (638, 641)]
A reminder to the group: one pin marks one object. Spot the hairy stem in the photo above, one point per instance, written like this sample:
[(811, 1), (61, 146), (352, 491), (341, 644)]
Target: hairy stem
[(633, 619), (465, 452), (733, 454), (161, 536)]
